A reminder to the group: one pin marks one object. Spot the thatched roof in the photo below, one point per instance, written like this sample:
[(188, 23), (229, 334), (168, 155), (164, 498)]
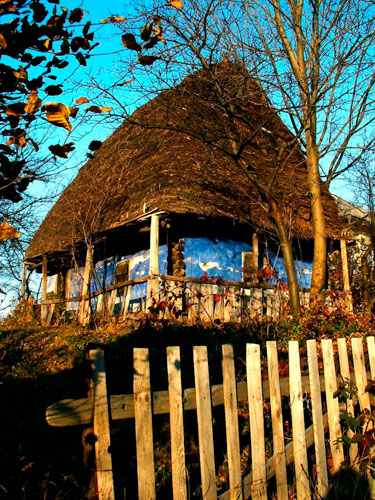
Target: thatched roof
[(174, 155)]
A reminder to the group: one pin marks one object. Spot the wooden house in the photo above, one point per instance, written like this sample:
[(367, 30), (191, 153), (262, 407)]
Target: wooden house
[(162, 219)]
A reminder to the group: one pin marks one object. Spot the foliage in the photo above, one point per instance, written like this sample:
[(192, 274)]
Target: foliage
[(35, 40)]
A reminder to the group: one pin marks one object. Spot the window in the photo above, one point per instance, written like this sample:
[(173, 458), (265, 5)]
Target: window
[(122, 272)]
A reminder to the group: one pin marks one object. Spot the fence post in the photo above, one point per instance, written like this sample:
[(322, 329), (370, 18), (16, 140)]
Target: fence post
[(101, 427)]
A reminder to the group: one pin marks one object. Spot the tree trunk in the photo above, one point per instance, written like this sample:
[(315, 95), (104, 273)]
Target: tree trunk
[(286, 247), (318, 276)]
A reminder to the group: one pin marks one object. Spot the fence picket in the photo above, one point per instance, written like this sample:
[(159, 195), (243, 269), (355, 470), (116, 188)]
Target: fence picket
[(254, 387), (330, 381), (204, 416), (176, 423), (371, 355), (101, 427), (298, 423), (143, 425), (360, 373), (231, 422), (317, 416), (345, 374), (277, 422)]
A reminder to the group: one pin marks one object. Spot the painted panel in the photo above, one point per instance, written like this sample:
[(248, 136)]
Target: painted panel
[(216, 257), (303, 269)]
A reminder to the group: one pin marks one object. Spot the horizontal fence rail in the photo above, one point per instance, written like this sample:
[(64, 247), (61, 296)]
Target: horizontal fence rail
[(294, 469)]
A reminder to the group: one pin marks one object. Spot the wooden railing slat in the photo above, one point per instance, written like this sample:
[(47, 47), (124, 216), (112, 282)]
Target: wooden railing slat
[(335, 432), (277, 422), (204, 417), (254, 387), (143, 425), (231, 422), (371, 355), (317, 416), (298, 423), (176, 423), (79, 412), (101, 427)]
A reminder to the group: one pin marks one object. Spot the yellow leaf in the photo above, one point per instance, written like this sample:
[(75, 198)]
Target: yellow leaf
[(105, 109), (3, 42), (113, 19), (82, 100), (8, 232), (33, 103), (58, 114), (21, 74), (175, 3), (47, 44)]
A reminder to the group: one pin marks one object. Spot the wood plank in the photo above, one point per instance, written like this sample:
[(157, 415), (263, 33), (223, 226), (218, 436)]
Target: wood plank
[(317, 416), (345, 373), (298, 423), (345, 275), (254, 387), (248, 479), (335, 432), (204, 416), (277, 422), (231, 422), (84, 311), (112, 303), (44, 308), (360, 374), (127, 302), (101, 427), (207, 303), (256, 303), (176, 423), (371, 355), (23, 282), (51, 310), (154, 245), (143, 425), (76, 412)]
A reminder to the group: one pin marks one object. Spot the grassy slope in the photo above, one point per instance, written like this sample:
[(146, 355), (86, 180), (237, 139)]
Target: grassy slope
[(42, 365)]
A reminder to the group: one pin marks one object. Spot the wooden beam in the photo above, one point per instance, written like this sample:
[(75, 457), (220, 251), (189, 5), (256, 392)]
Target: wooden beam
[(23, 281), (84, 312), (44, 307), (153, 284), (345, 274), (79, 411), (255, 251)]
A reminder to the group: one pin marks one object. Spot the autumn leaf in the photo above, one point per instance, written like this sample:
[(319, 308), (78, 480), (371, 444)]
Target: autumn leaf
[(127, 82), (62, 151), (19, 140), (33, 103), (175, 3), (129, 42), (98, 109), (53, 90), (76, 16), (16, 109), (113, 19), (95, 145), (8, 232), (73, 112), (147, 60), (82, 100), (21, 73), (3, 42), (58, 114), (157, 20), (146, 32)]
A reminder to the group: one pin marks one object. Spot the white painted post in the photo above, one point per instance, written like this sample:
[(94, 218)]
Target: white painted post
[(23, 281), (44, 307), (152, 283), (345, 275), (84, 311)]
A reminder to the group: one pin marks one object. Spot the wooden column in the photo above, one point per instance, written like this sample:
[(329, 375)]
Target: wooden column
[(153, 284), (23, 282), (84, 312), (44, 307), (345, 274), (67, 287), (255, 251)]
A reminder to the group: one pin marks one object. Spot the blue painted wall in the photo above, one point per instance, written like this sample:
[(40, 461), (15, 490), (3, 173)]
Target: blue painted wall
[(217, 257)]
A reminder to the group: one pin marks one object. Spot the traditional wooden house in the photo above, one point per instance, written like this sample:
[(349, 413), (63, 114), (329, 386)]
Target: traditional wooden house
[(163, 219)]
